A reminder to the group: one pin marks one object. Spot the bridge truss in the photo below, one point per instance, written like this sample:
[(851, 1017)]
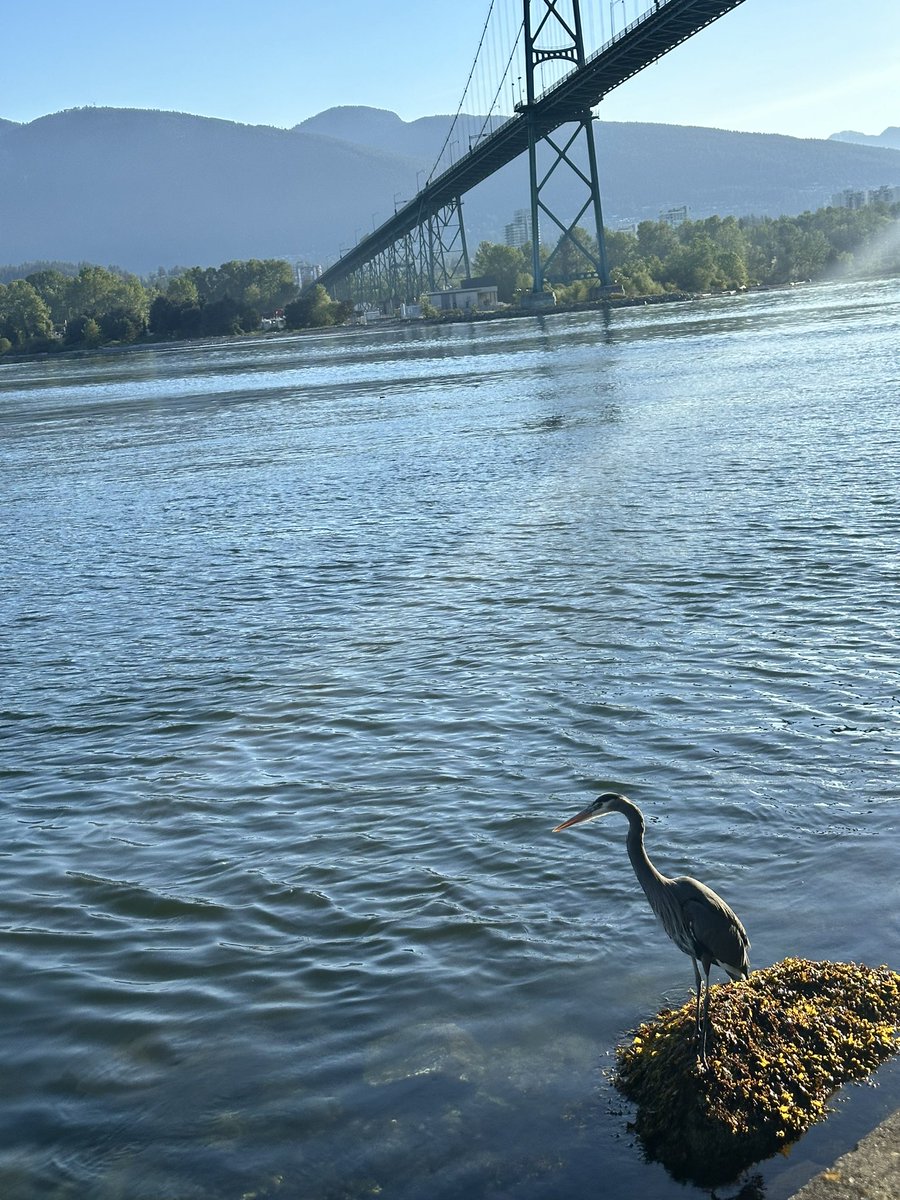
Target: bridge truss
[(422, 247), (429, 257)]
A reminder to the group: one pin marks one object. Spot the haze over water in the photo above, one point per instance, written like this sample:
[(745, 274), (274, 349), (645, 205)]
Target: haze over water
[(308, 643)]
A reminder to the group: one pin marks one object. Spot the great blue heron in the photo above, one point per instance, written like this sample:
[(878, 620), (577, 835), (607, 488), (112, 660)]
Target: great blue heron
[(697, 920)]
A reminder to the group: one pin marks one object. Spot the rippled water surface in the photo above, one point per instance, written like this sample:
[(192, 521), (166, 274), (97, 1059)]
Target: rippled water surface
[(308, 643)]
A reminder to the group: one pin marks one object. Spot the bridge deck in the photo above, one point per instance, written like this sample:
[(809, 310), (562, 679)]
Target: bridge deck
[(642, 42)]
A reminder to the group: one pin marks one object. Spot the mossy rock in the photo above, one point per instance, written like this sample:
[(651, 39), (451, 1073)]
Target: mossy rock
[(779, 1044)]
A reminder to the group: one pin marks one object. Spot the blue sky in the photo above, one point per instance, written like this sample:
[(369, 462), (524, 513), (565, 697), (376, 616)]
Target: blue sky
[(803, 67)]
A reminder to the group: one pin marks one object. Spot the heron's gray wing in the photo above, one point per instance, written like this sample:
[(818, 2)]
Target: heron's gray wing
[(715, 929)]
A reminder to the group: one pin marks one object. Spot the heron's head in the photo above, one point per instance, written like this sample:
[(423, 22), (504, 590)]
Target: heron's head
[(607, 803)]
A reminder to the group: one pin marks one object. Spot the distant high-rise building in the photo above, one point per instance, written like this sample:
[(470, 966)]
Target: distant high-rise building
[(518, 231), (674, 216), (850, 198), (884, 195)]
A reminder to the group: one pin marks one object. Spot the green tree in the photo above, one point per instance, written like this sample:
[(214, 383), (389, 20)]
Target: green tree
[(693, 266), (221, 317), (204, 280), (24, 316), (505, 265), (165, 317), (96, 292), (798, 253), (182, 290), (92, 334), (314, 309), (573, 257), (119, 325), (656, 239), (53, 287), (261, 284), (633, 262), (83, 331), (639, 277), (621, 247), (733, 271), (275, 283)]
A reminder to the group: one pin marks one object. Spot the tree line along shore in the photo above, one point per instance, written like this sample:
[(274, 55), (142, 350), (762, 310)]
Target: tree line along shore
[(51, 307)]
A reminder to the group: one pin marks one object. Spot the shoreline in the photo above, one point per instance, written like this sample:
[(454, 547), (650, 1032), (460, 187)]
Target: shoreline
[(455, 317)]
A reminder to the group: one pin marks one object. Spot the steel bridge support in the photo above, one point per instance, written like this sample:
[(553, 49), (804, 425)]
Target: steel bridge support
[(554, 34), (448, 253), (431, 257)]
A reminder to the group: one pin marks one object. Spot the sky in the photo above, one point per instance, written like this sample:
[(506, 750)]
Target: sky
[(807, 68)]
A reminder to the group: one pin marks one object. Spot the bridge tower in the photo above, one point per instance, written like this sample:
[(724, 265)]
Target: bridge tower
[(553, 31)]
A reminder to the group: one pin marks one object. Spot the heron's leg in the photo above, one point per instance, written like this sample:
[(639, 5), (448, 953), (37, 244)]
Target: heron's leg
[(705, 1019), (697, 1006)]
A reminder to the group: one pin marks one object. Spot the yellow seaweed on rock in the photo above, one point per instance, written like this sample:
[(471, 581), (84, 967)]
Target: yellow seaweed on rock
[(779, 1044)]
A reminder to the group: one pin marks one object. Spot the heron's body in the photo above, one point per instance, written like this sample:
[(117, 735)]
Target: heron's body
[(697, 920)]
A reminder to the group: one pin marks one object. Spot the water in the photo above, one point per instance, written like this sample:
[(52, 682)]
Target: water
[(308, 643)]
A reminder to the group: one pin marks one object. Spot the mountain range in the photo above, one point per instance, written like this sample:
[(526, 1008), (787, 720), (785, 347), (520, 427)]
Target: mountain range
[(142, 189), (889, 139)]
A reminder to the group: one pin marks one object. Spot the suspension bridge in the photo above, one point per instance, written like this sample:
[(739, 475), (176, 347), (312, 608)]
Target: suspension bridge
[(551, 67)]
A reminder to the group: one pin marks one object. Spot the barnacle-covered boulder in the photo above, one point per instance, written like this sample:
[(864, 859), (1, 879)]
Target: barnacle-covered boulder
[(779, 1044)]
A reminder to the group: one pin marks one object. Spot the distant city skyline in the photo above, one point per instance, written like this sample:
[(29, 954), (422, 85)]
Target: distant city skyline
[(807, 69)]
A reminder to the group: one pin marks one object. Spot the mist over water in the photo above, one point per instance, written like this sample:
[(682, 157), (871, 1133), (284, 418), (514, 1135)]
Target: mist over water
[(307, 644)]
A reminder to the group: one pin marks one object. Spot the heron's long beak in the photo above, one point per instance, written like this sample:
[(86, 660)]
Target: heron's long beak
[(584, 815)]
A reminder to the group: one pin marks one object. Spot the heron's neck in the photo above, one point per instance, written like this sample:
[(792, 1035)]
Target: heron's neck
[(644, 869)]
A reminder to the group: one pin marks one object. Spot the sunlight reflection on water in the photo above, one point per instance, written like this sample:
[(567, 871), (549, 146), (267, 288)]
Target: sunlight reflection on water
[(309, 642)]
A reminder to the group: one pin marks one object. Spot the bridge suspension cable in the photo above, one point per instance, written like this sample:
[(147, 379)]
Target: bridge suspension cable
[(484, 85)]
